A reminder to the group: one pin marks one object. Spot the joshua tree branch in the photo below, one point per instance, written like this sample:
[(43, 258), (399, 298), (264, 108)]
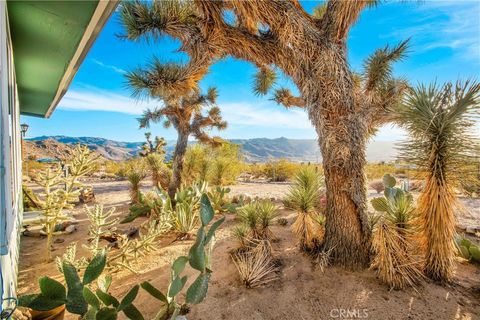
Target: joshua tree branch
[(340, 15), (284, 97)]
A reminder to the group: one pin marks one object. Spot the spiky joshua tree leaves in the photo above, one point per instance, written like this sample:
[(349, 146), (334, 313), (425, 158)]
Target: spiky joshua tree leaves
[(183, 107), (439, 121), (311, 50)]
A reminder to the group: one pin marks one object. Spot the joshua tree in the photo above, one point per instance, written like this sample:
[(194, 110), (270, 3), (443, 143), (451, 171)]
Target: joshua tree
[(312, 51), (183, 105), (150, 147), (439, 120), (154, 153)]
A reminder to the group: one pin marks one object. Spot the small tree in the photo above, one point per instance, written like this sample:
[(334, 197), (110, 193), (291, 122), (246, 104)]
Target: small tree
[(439, 121), (60, 192), (154, 153), (183, 105)]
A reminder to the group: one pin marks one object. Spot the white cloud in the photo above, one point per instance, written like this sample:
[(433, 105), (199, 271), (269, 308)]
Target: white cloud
[(264, 115), (236, 113), (446, 24), (102, 100), (109, 66)]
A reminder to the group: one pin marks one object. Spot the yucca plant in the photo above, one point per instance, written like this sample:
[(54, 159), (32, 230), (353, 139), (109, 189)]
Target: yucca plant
[(185, 218), (394, 240), (439, 121), (240, 232), (135, 175), (267, 211), (304, 197), (249, 216)]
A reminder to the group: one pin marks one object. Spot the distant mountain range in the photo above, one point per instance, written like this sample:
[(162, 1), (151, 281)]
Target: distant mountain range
[(254, 150)]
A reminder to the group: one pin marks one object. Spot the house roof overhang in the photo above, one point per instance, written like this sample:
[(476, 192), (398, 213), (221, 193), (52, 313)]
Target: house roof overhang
[(50, 40)]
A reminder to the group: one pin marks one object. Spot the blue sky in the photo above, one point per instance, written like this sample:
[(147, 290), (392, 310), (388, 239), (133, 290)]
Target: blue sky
[(445, 46)]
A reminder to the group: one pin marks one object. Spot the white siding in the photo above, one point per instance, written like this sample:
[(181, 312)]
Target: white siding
[(10, 166)]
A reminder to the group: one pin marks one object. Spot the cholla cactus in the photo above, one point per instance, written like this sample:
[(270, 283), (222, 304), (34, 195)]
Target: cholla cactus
[(70, 257), (130, 250), (55, 198), (101, 223)]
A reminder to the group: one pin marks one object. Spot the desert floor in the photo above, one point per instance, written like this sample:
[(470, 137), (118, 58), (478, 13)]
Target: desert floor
[(301, 292)]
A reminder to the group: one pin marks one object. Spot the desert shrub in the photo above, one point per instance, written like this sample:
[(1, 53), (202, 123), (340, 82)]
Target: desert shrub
[(394, 246), (282, 221), (226, 164), (416, 185), (196, 164), (378, 170), (256, 267), (281, 170), (304, 196), (377, 185), (255, 170), (218, 166), (32, 167)]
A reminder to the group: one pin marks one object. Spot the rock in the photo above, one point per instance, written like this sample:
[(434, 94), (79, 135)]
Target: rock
[(470, 230), (70, 229), (35, 233), (59, 240)]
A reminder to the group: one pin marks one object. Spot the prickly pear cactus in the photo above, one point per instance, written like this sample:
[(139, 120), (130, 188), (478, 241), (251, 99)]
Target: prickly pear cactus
[(474, 253)]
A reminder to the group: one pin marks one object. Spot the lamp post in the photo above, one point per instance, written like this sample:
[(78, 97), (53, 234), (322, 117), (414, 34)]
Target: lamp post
[(23, 131)]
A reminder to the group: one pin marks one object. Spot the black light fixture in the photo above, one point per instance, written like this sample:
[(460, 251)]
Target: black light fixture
[(23, 129)]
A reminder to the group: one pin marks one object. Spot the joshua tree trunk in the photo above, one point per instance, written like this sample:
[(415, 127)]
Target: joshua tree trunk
[(346, 231), (342, 130), (178, 158)]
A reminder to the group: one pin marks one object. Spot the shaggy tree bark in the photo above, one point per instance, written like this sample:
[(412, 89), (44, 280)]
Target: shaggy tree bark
[(177, 166)]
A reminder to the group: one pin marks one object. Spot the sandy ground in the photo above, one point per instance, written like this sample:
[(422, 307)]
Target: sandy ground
[(302, 292)]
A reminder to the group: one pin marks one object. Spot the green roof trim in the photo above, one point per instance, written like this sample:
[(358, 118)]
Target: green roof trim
[(50, 39)]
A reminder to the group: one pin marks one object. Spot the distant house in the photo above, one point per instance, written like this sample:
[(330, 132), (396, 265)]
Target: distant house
[(42, 44)]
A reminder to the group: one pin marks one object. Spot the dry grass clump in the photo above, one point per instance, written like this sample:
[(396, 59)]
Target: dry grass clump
[(308, 231), (377, 185), (393, 257), (395, 235), (256, 266)]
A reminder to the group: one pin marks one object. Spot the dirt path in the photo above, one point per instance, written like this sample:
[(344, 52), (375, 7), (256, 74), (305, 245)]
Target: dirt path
[(302, 292)]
